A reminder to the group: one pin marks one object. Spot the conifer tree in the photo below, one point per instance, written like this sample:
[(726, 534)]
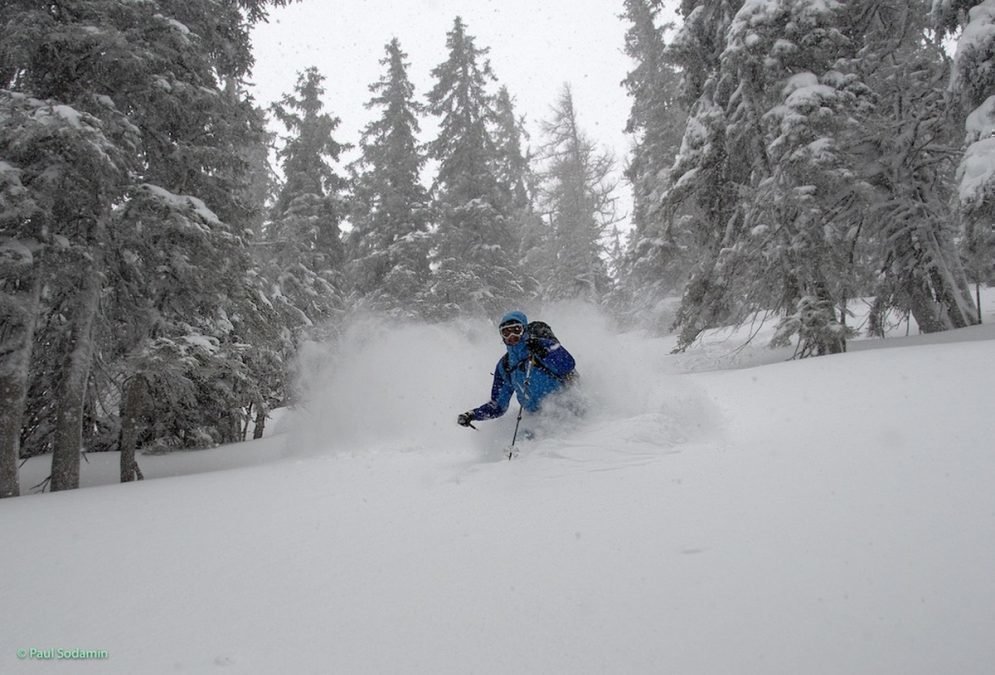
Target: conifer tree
[(309, 206), (657, 260), (747, 158), (657, 118), (304, 251), (974, 82), (519, 182), (791, 112), (149, 93), (391, 211), (58, 168), (707, 175), (514, 170), (475, 246), (20, 288), (577, 193), (904, 150), (804, 164)]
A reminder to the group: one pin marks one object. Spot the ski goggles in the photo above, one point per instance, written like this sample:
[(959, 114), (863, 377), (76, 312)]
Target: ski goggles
[(512, 329)]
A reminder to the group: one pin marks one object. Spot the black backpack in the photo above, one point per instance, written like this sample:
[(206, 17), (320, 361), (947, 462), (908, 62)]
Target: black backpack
[(539, 329)]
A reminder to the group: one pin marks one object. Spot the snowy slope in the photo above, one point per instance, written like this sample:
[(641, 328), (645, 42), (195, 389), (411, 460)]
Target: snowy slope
[(833, 515)]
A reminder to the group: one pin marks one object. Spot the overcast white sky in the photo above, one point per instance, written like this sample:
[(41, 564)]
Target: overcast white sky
[(535, 46)]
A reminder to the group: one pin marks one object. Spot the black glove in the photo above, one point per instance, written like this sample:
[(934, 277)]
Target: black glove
[(536, 348), (465, 419)]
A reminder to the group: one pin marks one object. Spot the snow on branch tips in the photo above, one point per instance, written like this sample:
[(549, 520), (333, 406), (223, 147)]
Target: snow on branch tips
[(977, 175), (973, 72), (186, 205)]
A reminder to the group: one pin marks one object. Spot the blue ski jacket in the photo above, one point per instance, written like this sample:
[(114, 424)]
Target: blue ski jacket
[(532, 369)]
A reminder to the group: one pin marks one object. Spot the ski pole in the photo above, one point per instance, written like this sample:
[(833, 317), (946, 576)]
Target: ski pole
[(525, 387), (517, 422)]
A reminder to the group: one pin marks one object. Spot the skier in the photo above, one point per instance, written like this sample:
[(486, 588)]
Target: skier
[(534, 368)]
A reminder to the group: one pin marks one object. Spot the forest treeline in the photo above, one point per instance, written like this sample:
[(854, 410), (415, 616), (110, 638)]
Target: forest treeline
[(157, 276)]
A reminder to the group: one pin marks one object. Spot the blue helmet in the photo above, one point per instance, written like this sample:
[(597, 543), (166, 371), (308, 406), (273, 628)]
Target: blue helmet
[(514, 316)]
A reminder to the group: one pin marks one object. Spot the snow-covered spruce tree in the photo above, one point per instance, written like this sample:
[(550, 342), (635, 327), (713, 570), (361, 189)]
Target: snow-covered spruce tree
[(200, 320), (304, 248), (167, 73), (906, 150), (974, 83), (657, 118), (20, 287), (190, 332), (58, 169), (656, 262), (262, 185), (793, 109), (948, 17), (520, 184), (577, 193), (271, 341), (69, 155), (514, 168), (477, 271), (196, 333), (813, 167), (390, 211), (707, 176)]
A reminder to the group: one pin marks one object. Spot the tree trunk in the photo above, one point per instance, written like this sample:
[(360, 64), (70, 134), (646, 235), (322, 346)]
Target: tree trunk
[(75, 373), (941, 293), (132, 412), (246, 418), (926, 310), (260, 427), (18, 315), (977, 299)]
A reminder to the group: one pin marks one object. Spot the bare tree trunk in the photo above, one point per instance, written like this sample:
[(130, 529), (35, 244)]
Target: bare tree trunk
[(977, 299), (244, 430), (72, 393), (18, 315), (132, 411), (260, 427), (941, 293)]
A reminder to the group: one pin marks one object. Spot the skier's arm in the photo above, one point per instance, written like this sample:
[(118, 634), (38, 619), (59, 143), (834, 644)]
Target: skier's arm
[(501, 391)]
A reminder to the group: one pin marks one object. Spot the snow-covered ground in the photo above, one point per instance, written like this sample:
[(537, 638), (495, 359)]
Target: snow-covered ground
[(722, 511)]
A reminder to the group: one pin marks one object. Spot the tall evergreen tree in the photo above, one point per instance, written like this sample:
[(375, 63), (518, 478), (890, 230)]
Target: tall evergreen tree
[(788, 150), (305, 251), (309, 206), (20, 288), (514, 169), (706, 176), (792, 111), (762, 64), (150, 92), (657, 260), (475, 245), (578, 195), (58, 169), (974, 82), (905, 149), (391, 211), (657, 117), (519, 182)]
